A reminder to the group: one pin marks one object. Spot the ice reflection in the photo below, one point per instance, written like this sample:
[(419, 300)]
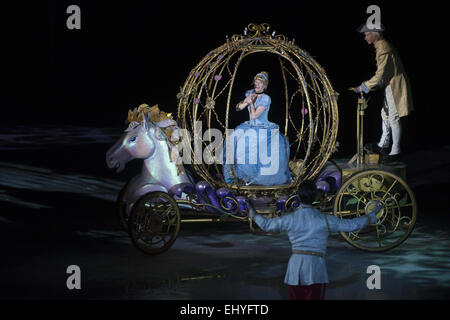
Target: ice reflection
[(5, 197), (120, 237), (26, 177), (226, 286), (21, 137), (424, 260)]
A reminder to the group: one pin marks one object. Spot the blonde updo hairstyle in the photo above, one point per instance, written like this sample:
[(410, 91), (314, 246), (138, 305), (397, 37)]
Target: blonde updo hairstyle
[(263, 76)]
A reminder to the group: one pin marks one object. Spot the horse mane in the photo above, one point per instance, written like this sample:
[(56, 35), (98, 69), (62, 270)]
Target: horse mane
[(160, 119), (153, 113), (156, 117)]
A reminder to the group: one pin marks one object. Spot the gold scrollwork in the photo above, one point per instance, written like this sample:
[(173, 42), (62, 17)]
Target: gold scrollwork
[(371, 183), (236, 37), (280, 37), (258, 29), (381, 230), (290, 202), (227, 207), (255, 30), (405, 222)]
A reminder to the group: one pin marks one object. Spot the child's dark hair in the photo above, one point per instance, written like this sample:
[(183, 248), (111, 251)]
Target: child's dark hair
[(307, 192)]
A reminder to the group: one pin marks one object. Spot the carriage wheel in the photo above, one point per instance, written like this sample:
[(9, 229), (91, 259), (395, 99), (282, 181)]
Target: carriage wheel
[(397, 218), (122, 207), (154, 222)]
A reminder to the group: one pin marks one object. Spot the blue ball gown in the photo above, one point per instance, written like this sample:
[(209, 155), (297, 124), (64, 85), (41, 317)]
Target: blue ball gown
[(261, 152)]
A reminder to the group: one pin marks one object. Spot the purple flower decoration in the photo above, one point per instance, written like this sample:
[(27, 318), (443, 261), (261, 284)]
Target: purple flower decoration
[(197, 74), (304, 111), (217, 77), (197, 100)]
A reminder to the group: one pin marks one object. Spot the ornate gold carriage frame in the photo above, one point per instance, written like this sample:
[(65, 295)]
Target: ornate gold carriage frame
[(310, 116), (310, 106)]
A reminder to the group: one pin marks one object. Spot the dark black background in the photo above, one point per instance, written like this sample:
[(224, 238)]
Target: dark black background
[(133, 52)]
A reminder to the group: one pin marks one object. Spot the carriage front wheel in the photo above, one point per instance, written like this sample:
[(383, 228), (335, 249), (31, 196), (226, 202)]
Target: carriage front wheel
[(154, 222), (396, 220), (121, 207)]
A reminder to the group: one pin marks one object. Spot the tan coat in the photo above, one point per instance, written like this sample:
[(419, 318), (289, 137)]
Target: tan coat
[(390, 71)]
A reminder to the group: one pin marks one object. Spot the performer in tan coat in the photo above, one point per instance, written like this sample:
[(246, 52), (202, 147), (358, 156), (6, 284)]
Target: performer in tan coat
[(391, 77)]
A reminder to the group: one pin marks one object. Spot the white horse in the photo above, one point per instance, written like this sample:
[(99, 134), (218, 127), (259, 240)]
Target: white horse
[(146, 140)]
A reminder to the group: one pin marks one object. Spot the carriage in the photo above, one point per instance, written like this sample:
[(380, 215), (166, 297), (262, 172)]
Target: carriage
[(153, 205)]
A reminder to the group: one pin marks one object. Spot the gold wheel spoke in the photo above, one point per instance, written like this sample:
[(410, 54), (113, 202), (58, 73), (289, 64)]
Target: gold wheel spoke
[(387, 192), (407, 205), (348, 194), (354, 212), (350, 212), (163, 213), (353, 235), (361, 199)]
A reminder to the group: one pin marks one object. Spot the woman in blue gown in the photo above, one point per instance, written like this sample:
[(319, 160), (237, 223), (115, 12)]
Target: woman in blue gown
[(257, 152)]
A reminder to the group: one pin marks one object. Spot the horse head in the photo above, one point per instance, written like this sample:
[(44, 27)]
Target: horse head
[(137, 142)]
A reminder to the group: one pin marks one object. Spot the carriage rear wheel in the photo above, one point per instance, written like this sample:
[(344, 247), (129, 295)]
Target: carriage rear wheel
[(396, 220), (154, 222)]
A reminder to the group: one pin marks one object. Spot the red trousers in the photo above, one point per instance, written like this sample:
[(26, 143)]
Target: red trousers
[(312, 292)]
